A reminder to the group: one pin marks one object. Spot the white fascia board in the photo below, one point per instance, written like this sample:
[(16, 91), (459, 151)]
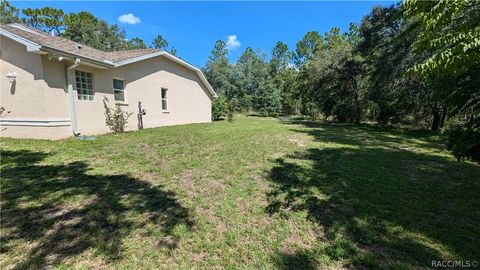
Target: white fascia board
[(35, 122), (31, 46), (104, 63), (173, 58)]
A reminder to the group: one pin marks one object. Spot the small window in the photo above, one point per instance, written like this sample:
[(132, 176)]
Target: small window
[(119, 90), (164, 99), (84, 83)]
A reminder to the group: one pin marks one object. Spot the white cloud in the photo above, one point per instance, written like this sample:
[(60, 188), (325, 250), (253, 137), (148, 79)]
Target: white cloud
[(129, 19), (232, 42)]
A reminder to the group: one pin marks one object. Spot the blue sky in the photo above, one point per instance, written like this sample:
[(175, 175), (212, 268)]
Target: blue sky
[(193, 27)]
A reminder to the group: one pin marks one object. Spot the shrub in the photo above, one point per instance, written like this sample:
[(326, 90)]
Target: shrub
[(219, 108), (464, 142), (231, 108), (115, 118), (246, 104)]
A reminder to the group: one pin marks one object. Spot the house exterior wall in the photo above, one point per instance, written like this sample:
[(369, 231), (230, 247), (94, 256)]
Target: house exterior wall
[(39, 93), (188, 99)]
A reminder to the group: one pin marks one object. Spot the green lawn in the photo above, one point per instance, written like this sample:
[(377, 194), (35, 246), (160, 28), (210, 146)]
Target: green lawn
[(255, 193)]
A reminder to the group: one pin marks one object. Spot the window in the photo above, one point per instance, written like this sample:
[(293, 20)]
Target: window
[(119, 90), (164, 99), (84, 82)]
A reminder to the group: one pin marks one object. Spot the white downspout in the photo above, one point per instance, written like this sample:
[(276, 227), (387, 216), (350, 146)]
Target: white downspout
[(71, 98)]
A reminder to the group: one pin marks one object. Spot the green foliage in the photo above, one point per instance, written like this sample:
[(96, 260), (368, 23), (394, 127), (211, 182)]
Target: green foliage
[(464, 142), (219, 71), (85, 28), (268, 99), (8, 13), (160, 43), (307, 47), (385, 46), (281, 58), (137, 43), (116, 119), (449, 33), (246, 104), (450, 30), (219, 107), (250, 71), (46, 18), (334, 73), (232, 107)]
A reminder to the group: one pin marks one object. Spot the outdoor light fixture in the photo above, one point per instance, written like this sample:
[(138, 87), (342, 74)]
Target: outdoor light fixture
[(12, 76)]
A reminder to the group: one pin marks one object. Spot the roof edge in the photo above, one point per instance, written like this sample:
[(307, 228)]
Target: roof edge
[(31, 46)]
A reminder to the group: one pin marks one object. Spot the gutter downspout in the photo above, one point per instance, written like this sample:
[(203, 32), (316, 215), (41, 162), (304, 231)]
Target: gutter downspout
[(71, 98)]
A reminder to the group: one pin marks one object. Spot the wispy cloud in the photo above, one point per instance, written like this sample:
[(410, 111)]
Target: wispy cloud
[(233, 42), (129, 19)]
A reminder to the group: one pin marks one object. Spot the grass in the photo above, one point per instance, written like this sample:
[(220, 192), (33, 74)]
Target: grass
[(255, 193)]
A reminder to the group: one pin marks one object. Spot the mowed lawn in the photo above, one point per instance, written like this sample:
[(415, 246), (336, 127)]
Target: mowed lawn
[(256, 193)]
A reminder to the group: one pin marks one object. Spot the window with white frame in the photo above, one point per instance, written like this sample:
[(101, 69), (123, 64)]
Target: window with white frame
[(164, 99), (119, 90), (84, 83)]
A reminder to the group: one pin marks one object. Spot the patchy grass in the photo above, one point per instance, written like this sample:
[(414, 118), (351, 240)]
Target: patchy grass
[(255, 193)]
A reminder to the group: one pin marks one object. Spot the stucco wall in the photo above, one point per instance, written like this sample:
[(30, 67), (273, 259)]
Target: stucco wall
[(39, 93), (188, 99)]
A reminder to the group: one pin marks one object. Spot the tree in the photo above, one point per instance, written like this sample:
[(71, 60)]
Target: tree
[(334, 74), (219, 108), (8, 13), (268, 99), (281, 58), (160, 43), (246, 104), (284, 75), (307, 47), (231, 108), (137, 43), (451, 30), (450, 33), (219, 71), (250, 71), (46, 18), (85, 28), (385, 45)]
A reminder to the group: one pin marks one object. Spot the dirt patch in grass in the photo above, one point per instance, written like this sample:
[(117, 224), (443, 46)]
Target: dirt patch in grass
[(297, 141)]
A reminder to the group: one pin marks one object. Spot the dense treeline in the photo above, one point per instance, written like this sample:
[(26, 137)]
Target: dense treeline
[(414, 63)]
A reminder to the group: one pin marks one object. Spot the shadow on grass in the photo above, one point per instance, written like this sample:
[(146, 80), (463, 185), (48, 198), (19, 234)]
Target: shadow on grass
[(61, 210), (379, 204)]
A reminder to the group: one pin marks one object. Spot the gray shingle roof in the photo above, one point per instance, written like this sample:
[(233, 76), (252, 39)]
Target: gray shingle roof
[(64, 45)]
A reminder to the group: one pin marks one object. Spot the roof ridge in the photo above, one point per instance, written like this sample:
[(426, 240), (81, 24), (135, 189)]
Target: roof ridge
[(26, 28)]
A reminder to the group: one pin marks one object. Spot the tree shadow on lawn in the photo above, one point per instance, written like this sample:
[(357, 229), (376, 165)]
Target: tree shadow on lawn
[(61, 211), (378, 205)]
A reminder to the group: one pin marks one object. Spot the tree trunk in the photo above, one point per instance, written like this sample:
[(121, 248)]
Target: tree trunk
[(437, 117), (444, 116)]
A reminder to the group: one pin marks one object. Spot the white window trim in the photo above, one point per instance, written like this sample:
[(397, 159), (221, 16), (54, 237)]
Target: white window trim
[(93, 85), (166, 99), (124, 91)]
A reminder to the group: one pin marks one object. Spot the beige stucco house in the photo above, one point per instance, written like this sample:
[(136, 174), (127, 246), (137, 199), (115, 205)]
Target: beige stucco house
[(54, 87)]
